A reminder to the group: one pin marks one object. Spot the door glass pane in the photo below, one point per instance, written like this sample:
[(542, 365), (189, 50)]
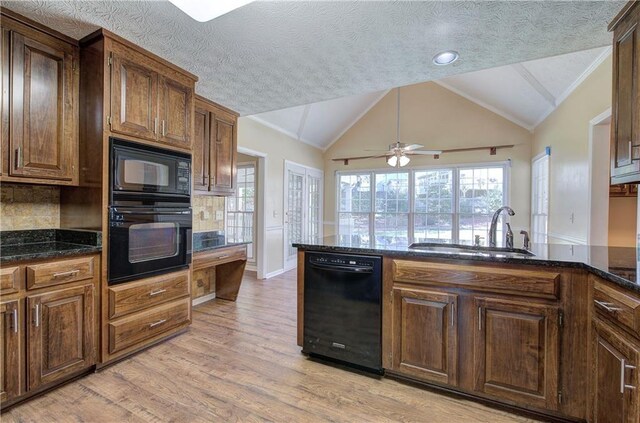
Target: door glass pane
[(313, 220), (295, 199), (152, 241), (240, 209)]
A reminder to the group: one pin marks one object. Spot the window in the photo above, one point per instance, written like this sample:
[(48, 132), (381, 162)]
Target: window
[(396, 208), (241, 209), (540, 199)]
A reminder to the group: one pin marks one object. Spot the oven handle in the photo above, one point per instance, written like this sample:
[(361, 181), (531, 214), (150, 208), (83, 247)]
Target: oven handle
[(348, 269), (153, 212)]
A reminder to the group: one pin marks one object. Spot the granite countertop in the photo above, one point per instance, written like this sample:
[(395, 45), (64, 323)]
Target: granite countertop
[(616, 264), (212, 240), (35, 244)]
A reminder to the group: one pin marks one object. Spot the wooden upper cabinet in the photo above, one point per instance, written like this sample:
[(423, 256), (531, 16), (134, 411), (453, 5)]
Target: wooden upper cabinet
[(224, 155), (39, 106), (134, 102), (60, 338), (615, 380), (516, 351), (11, 350), (214, 172), (425, 342), (625, 127), (176, 102), (200, 161), (151, 99)]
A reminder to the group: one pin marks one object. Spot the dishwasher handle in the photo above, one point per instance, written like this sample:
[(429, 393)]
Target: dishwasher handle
[(338, 268)]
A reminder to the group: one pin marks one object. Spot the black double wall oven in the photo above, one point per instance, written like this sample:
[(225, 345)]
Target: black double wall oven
[(149, 211)]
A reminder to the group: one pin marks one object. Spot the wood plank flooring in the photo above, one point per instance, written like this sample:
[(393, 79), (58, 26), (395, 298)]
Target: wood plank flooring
[(239, 362)]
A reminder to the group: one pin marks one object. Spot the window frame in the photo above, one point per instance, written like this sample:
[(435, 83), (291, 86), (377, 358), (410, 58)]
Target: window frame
[(454, 167), (252, 259)]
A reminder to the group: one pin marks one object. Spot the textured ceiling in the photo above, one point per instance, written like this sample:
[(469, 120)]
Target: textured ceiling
[(272, 55), (524, 93)]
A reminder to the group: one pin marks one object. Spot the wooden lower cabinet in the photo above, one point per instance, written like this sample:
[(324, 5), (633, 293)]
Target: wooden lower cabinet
[(516, 351), (11, 350), (615, 380), (60, 334), (426, 335)]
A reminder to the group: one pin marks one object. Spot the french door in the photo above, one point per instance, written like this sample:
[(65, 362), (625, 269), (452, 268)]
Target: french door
[(302, 208)]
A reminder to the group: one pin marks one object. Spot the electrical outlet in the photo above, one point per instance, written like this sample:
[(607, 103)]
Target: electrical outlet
[(204, 215), (219, 215)]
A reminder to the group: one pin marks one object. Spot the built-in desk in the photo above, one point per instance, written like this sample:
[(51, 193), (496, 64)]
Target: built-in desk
[(217, 272)]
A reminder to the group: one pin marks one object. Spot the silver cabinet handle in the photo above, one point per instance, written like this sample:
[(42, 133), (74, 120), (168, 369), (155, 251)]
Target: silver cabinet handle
[(155, 125), (158, 292), (606, 306), (19, 159), (632, 149), (15, 320), (224, 256), (37, 316), (66, 274), (623, 367), (453, 305), (163, 128), (159, 322), (480, 318)]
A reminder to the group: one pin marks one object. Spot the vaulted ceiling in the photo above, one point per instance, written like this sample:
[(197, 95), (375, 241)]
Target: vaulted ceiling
[(524, 93), (274, 55)]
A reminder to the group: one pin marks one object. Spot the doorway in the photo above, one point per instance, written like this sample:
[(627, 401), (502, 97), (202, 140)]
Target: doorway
[(302, 208), (613, 212)]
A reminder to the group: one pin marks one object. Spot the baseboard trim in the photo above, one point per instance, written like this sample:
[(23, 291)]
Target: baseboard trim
[(274, 273), (203, 299)]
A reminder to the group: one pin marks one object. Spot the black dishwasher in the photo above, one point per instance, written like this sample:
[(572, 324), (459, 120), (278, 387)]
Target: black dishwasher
[(342, 308)]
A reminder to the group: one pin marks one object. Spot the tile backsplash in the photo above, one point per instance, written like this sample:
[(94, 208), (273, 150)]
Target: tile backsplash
[(205, 209), (29, 207)]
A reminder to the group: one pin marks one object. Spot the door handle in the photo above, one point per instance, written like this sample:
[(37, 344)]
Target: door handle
[(633, 149), (37, 315), (66, 274), (606, 306), (15, 320), (453, 307), (163, 128), (159, 322), (19, 159), (623, 367), (155, 125), (158, 292), (480, 318)]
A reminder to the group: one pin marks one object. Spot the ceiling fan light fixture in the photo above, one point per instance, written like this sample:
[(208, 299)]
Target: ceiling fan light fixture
[(392, 161), (403, 160), (206, 10), (445, 57)]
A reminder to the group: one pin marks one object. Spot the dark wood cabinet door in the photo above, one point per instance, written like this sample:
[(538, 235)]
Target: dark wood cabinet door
[(614, 377), (42, 141), (200, 161), (517, 351), (11, 357), (625, 127), (60, 334), (223, 155), (176, 103), (134, 98), (5, 51), (425, 335)]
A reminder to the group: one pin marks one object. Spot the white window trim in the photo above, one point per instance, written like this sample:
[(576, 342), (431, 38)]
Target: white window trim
[(455, 230)]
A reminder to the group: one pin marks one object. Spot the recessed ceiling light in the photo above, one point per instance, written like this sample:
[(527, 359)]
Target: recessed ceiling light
[(206, 10), (445, 57)]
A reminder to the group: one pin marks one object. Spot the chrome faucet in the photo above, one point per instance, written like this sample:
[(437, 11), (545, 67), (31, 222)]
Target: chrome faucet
[(494, 225)]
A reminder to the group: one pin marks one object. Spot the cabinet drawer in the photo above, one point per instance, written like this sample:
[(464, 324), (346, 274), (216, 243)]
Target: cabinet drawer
[(618, 306), (532, 283), (9, 280), (222, 255), (60, 272), (133, 330), (135, 296)]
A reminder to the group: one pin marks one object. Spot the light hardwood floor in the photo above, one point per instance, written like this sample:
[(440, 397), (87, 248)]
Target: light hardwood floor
[(240, 362)]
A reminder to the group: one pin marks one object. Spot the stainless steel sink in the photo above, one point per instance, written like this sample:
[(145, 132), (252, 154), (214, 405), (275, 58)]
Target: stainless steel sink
[(470, 250)]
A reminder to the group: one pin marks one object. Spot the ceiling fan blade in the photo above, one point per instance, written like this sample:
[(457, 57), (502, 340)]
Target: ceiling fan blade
[(342, 159), (377, 149), (424, 152), (412, 147)]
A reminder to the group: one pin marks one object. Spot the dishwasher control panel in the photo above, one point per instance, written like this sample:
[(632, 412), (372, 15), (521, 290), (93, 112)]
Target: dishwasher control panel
[(341, 260)]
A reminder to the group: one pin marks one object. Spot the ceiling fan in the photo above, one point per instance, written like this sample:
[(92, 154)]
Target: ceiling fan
[(398, 153)]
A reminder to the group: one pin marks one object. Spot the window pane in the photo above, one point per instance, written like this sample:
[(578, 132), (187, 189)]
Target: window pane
[(481, 192), (353, 229), (433, 228), (355, 193), (392, 229), (392, 192)]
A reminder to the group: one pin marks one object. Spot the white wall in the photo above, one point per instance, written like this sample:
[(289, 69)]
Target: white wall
[(277, 147)]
